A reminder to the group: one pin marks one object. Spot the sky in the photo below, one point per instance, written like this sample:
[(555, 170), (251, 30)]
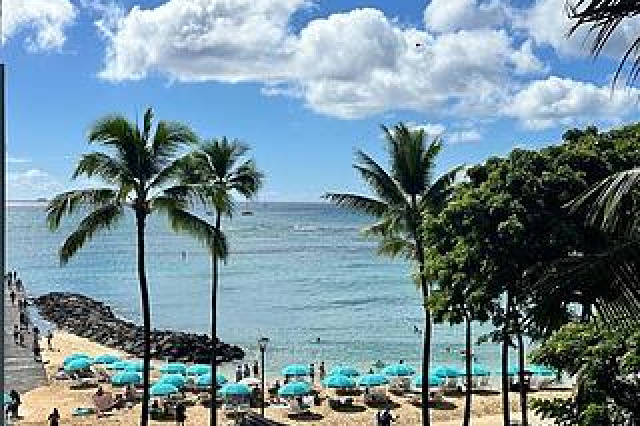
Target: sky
[(305, 83)]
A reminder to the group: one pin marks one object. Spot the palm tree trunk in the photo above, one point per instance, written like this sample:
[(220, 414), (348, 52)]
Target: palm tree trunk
[(523, 389), (506, 409), (424, 286), (213, 417), (146, 319), (468, 393)]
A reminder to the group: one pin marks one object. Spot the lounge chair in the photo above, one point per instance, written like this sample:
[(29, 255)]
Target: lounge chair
[(83, 383), (295, 410), (376, 399), (82, 411)]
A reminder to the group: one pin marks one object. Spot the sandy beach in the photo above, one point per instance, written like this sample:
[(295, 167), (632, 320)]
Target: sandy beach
[(38, 403)]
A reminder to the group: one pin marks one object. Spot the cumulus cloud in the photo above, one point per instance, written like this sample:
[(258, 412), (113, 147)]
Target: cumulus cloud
[(462, 136), (453, 15), (552, 101), (10, 159), (431, 129), (43, 22), (347, 65)]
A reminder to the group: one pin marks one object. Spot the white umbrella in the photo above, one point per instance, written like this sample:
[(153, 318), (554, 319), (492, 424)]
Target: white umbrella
[(250, 381)]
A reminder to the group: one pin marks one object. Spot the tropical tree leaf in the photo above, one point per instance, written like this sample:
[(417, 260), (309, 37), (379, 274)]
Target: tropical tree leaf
[(68, 202)]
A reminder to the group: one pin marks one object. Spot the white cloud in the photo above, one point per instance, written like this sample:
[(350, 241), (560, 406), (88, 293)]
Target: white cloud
[(431, 129), (16, 160), (462, 136), (453, 15), (30, 184), (546, 103), (347, 65), (42, 21)]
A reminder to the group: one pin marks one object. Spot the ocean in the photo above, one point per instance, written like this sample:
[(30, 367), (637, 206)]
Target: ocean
[(296, 272)]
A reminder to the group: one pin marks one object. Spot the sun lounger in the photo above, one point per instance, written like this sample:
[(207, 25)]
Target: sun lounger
[(376, 399), (82, 411), (233, 410), (85, 383), (296, 410)]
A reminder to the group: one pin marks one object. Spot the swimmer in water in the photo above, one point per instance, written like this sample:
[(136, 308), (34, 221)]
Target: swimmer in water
[(184, 255), (317, 340)]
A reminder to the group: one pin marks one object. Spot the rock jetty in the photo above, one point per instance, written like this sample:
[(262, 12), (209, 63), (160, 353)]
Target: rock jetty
[(94, 320)]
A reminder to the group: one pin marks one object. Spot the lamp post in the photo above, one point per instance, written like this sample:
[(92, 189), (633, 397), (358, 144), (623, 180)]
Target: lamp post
[(262, 343)]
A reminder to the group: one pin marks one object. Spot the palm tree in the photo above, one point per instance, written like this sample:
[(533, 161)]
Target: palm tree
[(140, 172), (217, 170), (401, 196), (603, 17)]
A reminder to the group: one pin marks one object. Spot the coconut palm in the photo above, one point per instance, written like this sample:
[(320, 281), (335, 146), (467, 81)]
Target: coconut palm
[(139, 171), (400, 197), (219, 169), (603, 17)]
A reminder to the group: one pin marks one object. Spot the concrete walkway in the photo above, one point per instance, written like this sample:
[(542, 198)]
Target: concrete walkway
[(21, 371)]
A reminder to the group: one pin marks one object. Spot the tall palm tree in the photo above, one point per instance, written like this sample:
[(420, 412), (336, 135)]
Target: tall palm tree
[(217, 170), (401, 196), (140, 171)]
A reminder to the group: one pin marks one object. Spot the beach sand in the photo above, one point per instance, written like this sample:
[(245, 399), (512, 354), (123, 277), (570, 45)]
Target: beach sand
[(38, 403)]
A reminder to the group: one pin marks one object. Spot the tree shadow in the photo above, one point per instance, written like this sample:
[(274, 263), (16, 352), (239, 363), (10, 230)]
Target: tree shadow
[(306, 417), (350, 409)]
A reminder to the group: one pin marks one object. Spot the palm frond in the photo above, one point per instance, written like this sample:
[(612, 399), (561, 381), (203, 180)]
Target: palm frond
[(116, 132), (68, 202), (358, 203), (101, 218), (603, 17), (246, 179), (394, 245), (440, 191), (169, 138), (188, 223), (378, 179), (610, 204), (106, 167)]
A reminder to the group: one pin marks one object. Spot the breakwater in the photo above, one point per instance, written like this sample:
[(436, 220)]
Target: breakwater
[(95, 321)]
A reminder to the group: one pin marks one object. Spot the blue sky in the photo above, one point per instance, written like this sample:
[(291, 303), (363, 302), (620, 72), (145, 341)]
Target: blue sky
[(304, 83)]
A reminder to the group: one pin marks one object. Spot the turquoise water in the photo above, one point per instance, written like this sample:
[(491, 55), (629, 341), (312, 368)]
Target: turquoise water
[(296, 272)]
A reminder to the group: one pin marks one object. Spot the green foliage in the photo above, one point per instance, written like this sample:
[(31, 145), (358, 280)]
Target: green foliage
[(606, 364)]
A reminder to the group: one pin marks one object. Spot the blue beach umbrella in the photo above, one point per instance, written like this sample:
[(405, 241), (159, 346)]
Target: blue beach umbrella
[(480, 370), (205, 380), (163, 389), (120, 365), (369, 380), (6, 399), (235, 389), (541, 370), (126, 378), (77, 364), (174, 368), (433, 381), (176, 380), (135, 366), (344, 370), (447, 371), (75, 356), (198, 369), (339, 381), (105, 359), (295, 389), (398, 370), (296, 370)]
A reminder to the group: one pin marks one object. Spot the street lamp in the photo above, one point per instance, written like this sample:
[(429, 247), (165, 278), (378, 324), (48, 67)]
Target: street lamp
[(262, 343)]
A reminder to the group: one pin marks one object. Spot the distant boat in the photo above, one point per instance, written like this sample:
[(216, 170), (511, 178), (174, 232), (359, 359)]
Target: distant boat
[(41, 199), (246, 213)]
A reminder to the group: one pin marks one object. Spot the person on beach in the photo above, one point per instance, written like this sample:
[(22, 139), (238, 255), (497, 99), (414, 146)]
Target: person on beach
[(16, 333), (385, 418), (15, 403), (256, 369), (238, 373), (401, 361), (21, 339), (322, 371), (36, 351), (181, 414), (54, 418), (247, 371), (312, 372), (12, 296), (49, 338)]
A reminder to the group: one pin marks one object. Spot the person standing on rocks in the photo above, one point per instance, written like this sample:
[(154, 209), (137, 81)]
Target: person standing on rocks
[(238, 373), (49, 338), (16, 333), (312, 372), (256, 369), (247, 371), (12, 296)]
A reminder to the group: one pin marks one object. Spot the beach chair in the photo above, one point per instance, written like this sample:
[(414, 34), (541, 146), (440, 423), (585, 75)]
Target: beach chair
[(296, 411)]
